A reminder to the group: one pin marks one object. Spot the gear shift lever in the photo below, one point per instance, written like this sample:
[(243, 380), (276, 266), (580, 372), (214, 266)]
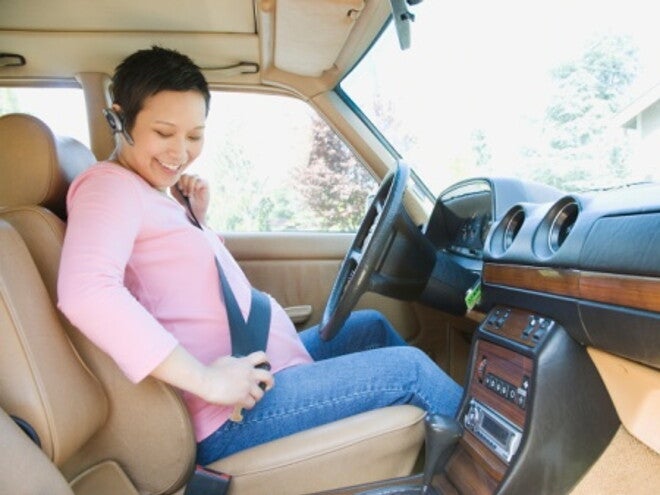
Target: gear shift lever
[(442, 433)]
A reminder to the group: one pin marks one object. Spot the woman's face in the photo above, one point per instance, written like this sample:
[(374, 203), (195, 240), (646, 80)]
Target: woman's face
[(168, 134)]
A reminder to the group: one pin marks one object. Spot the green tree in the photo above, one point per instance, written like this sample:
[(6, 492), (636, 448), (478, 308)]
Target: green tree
[(244, 201), (384, 113), (333, 184), (581, 148), (480, 148)]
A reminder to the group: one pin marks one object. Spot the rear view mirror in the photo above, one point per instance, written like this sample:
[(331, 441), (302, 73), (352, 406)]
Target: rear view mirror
[(402, 19)]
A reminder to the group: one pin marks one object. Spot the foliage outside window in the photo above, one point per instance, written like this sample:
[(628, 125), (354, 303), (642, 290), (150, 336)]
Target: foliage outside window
[(532, 90), (274, 165)]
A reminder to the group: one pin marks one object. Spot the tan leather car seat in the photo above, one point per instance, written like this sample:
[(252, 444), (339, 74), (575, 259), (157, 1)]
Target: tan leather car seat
[(101, 433), (94, 425)]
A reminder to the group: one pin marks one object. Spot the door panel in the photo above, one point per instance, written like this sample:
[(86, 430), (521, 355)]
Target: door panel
[(300, 268)]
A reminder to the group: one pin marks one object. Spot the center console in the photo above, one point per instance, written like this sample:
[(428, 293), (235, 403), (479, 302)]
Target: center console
[(535, 414)]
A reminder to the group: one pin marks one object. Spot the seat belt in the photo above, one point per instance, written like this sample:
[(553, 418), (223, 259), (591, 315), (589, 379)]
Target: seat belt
[(251, 335), (246, 337)]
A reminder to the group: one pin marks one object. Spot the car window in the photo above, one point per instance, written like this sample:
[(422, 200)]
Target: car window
[(274, 165), (562, 92), (61, 109)]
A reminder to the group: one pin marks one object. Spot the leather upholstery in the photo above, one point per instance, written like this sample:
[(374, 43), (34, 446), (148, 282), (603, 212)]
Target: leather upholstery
[(106, 478), (20, 456), (46, 384), (367, 447), (36, 166), (41, 378), (105, 434)]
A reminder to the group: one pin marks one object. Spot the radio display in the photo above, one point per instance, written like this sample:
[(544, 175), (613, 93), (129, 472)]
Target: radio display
[(497, 431), (494, 431)]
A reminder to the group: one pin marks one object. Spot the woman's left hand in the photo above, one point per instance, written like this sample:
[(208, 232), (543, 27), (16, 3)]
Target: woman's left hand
[(197, 191)]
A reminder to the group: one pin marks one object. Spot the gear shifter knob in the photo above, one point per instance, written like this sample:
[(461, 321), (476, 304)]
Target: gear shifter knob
[(442, 433)]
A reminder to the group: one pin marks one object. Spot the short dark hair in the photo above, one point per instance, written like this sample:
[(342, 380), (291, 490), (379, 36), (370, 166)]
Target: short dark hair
[(147, 72)]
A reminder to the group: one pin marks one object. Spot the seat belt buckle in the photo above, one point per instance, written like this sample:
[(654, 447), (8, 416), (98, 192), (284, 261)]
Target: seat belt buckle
[(205, 481)]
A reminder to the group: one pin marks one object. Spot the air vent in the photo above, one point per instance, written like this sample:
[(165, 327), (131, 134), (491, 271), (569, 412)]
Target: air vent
[(556, 226), (562, 225), (507, 230)]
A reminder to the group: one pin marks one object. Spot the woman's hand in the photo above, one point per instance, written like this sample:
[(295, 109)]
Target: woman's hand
[(236, 381), (228, 381), (197, 191)]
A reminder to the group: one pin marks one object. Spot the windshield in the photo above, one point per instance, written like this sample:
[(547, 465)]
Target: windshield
[(565, 93)]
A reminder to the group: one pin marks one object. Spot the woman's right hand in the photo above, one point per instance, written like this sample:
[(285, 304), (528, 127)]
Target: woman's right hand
[(197, 191), (227, 381), (233, 381)]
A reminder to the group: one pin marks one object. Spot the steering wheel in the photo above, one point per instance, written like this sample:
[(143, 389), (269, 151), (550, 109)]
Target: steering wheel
[(358, 271)]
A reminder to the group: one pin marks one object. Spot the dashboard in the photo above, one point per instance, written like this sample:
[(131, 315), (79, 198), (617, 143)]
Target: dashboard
[(471, 236), (465, 213), (592, 257), (563, 277)]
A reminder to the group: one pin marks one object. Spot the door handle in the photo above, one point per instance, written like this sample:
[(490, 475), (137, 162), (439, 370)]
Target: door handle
[(299, 314)]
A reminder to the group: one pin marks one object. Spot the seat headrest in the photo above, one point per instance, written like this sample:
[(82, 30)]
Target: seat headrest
[(35, 165)]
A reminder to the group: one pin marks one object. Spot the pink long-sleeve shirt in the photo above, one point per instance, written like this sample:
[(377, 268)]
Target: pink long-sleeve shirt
[(139, 279)]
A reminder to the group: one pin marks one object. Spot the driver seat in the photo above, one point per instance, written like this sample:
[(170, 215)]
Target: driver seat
[(93, 431)]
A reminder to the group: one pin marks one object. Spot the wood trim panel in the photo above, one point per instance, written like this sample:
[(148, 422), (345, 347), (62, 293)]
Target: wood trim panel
[(551, 280), (624, 290), (479, 454), (465, 474), (473, 468), (506, 365), (510, 322)]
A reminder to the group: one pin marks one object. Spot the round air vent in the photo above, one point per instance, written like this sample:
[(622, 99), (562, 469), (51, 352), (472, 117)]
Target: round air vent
[(556, 226), (562, 224), (507, 230)]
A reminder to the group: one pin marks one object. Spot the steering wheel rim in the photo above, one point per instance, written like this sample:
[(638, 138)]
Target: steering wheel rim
[(355, 275)]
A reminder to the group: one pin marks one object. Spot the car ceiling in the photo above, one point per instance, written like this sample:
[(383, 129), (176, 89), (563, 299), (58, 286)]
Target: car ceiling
[(296, 43)]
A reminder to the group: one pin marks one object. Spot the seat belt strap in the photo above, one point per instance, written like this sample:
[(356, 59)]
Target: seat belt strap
[(246, 336), (251, 335)]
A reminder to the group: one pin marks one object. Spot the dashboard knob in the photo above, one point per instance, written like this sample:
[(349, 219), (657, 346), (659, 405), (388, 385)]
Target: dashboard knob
[(481, 369), (472, 417)]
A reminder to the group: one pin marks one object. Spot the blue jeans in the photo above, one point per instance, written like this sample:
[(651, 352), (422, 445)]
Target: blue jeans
[(366, 366)]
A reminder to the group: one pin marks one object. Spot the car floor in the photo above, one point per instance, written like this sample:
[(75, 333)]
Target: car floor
[(628, 466)]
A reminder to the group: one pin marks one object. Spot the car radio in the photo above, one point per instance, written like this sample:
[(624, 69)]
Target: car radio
[(496, 432)]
